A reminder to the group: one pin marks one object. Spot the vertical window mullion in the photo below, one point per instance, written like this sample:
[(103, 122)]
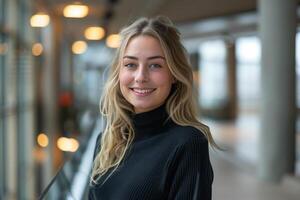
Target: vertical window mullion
[(2, 103)]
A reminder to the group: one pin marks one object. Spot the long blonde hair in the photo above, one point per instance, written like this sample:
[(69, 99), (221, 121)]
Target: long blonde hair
[(180, 105)]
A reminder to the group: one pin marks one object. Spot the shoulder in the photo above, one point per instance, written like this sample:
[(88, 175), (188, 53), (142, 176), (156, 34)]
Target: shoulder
[(184, 135), (190, 147)]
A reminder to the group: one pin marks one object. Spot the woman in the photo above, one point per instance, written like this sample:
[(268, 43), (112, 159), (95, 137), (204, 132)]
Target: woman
[(153, 146)]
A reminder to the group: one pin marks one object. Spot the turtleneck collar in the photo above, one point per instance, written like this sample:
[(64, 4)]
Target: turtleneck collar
[(148, 124)]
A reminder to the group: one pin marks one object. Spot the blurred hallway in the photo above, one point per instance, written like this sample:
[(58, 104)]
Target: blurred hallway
[(245, 57), (236, 167), (234, 181)]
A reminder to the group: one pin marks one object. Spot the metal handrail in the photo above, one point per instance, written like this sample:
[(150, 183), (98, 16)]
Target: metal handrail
[(46, 190), (69, 181)]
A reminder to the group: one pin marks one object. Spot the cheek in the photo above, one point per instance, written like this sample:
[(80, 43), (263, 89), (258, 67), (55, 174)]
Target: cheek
[(124, 78), (163, 80)]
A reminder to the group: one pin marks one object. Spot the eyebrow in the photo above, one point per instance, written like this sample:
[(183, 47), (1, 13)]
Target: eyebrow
[(149, 58)]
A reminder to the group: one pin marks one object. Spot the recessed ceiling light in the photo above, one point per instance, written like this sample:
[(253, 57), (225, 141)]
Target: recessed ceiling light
[(76, 10)]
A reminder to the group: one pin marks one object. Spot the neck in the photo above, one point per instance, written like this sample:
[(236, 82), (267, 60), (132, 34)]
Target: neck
[(148, 124)]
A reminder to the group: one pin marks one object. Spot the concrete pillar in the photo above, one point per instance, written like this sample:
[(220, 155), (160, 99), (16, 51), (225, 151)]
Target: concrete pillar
[(231, 79), (25, 102), (194, 60), (2, 98), (10, 102), (277, 28), (66, 72), (49, 101), (50, 89)]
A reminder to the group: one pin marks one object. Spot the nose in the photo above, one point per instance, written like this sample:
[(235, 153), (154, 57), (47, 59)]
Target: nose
[(141, 75)]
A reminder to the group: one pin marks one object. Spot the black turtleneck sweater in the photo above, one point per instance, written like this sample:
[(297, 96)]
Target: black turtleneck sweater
[(166, 161)]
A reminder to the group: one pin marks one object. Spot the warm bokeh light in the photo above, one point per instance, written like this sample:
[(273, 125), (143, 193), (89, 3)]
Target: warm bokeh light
[(37, 49), (67, 144), (39, 154), (94, 33), (3, 48), (76, 11), (43, 140), (79, 47), (39, 20), (113, 41)]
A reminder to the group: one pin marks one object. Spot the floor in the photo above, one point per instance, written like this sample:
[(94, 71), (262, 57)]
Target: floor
[(235, 171), (233, 183)]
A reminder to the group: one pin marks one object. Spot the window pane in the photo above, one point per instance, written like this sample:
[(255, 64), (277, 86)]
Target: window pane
[(213, 80), (2, 114), (298, 69), (248, 52)]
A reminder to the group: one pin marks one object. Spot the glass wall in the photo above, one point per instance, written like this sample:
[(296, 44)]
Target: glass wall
[(213, 69), (298, 102), (213, 78), (298, 68), (16, 96), (25, 112), (248, 52), (2, 113)]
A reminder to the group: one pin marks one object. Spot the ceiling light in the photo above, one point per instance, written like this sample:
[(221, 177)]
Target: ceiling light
[(39, 20), (79, 47), (113, 41), (43, 140), (94, 33), (67, 144), (37, 49), (76, 10)]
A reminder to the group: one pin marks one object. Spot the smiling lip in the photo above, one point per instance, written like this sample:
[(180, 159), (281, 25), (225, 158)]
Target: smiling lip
[(142, 91)]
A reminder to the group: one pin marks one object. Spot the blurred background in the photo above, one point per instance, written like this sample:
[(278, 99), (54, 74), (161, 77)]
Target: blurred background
[(54, 58)]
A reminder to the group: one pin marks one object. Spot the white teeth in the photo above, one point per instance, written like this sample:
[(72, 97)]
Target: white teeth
[(142, 91)]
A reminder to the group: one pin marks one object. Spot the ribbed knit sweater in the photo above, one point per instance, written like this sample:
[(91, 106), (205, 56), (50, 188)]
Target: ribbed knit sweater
[(165, 161)]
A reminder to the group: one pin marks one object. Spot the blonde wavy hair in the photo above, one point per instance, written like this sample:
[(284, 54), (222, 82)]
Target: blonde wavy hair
[(180, 105)]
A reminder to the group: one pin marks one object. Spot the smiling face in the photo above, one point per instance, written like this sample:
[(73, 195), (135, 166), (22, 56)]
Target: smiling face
[(145, 79)]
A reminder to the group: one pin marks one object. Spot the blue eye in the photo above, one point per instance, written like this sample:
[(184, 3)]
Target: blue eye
[(130, 65), (155, 66)]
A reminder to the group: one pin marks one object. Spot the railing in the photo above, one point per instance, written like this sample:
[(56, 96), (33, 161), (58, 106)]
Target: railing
[(72, 179)]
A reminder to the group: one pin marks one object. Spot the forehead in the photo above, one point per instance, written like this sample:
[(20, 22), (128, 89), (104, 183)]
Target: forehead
[(143, 45)]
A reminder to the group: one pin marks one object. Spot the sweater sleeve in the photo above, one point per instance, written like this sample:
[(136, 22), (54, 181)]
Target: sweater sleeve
[(191, 172)]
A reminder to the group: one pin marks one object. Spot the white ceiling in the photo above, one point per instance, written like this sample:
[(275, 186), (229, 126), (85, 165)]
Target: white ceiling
[(123, 11)]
